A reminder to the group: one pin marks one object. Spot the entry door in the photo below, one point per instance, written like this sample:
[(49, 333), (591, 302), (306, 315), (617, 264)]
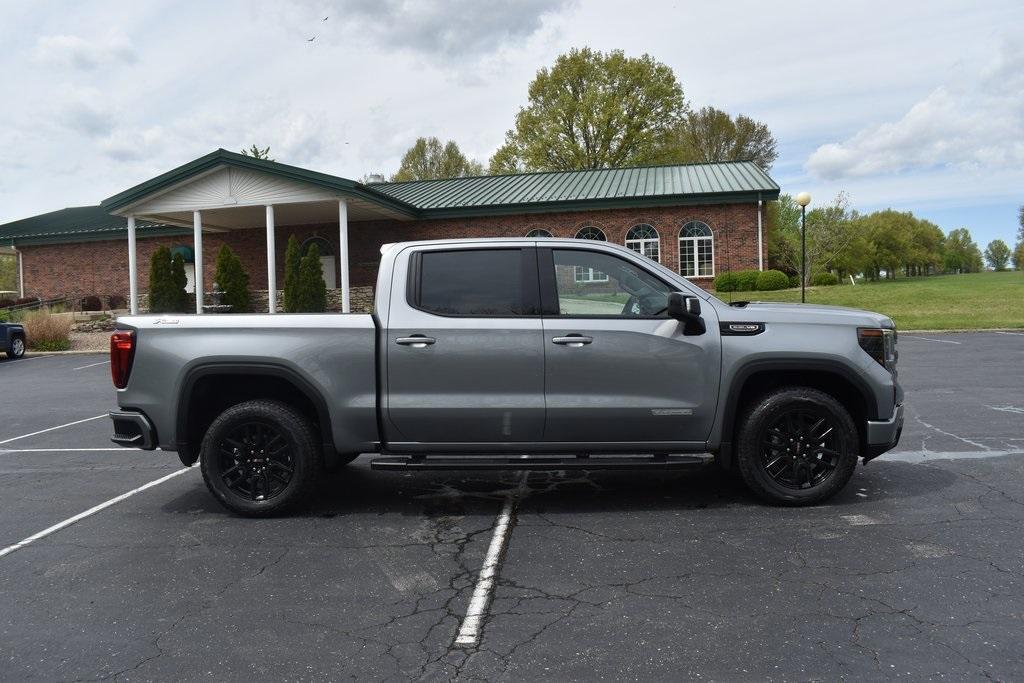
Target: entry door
[(465, 348), (618, 369), (327, 266)]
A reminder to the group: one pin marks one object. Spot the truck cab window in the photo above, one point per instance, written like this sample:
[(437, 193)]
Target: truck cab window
[(476, 282), (615, 287)]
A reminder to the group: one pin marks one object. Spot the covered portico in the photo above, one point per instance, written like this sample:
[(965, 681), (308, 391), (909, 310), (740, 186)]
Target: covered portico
[(224, 191)]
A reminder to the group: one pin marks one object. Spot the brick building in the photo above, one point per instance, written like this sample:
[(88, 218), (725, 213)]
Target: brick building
[(699, 220)]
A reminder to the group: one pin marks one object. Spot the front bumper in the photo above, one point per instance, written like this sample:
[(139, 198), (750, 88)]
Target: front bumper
[(883, 435), (133, 430)]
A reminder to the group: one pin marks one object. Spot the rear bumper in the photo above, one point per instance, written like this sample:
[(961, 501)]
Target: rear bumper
[(883, 435), (133, 430)]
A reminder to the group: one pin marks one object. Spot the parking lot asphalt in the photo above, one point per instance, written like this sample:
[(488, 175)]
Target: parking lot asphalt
[(914, 571)]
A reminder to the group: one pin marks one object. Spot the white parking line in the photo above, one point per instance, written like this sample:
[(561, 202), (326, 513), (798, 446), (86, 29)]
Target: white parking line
[(50, 429), (1012, 334), (941, 341), (66, 450), (469, 632), (91, 511), (91, 365)]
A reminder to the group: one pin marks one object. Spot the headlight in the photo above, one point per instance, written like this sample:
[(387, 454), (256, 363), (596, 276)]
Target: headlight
[(880, 344)]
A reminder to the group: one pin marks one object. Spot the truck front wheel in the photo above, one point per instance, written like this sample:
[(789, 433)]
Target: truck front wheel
[(260, 458), (797, 446)]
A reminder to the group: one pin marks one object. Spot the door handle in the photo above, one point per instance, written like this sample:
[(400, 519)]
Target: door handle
[(575, 340), (417, 341)]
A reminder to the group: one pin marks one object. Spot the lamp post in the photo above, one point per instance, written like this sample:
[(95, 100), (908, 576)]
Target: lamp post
[(803, 199)]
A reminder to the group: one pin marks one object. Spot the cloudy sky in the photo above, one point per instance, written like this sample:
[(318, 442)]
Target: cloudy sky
[(915, 106)]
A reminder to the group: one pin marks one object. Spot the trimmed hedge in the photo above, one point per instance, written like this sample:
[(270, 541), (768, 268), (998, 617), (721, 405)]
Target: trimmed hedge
[(737, 281), (772, 279), (746, 280), (824, 280), (725, 282), (92, 303)]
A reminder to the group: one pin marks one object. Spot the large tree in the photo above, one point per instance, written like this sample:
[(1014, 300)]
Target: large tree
[(594, 110), (429, 159), (712, 135), (961, 253), (830, 233), (997, 253)]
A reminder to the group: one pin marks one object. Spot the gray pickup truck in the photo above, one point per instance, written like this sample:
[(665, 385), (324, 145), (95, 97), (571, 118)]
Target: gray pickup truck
[(514, 354)]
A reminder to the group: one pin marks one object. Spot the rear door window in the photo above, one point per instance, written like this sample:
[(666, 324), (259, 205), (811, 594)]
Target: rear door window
[(476, 282)]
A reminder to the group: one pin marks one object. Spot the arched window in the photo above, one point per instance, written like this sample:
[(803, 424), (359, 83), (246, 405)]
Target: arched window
[(583, 274), (696, 250), (591, 233), (328, 263), (539, 232), (643, 239)]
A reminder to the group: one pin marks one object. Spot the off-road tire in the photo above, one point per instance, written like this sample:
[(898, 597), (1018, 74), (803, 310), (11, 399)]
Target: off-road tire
[(303, 454), (760, 422)]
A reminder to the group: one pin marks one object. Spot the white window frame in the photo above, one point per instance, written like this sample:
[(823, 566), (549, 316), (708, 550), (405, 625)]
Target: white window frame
[(641, 244), (584, 275), (547, 233), (691, 268)]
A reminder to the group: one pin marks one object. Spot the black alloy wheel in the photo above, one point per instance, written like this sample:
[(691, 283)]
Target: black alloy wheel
[(796, 445), (261, 457), (800, 449), (256, 462)]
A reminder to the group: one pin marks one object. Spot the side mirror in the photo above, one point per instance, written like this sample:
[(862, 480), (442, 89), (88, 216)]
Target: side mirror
[(686, 309)]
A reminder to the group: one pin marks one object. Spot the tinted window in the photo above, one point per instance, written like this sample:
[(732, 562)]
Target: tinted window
[(483, 282), (593, 283)]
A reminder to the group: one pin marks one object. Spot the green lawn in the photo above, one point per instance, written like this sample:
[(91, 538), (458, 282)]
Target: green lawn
[(941, 302)]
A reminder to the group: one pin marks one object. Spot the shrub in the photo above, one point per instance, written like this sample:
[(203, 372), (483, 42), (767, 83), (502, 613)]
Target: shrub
[(5, 317), (794, 280), (311, 290), (115, 301), (167, 283), (824, 280), (746, 280), (47, 332), (725, 282), (92, 303), (292, 261), (233, 279), (771, 279)]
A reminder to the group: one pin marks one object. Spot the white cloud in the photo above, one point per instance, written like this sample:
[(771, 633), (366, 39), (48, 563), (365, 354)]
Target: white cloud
[(84, 111), (976, 124), (80, 53), (434, 28)]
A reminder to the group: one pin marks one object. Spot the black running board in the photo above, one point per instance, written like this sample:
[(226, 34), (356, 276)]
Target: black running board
[(537, 462)]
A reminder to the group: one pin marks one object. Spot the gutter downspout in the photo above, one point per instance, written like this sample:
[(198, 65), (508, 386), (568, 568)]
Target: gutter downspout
[(760, 245)]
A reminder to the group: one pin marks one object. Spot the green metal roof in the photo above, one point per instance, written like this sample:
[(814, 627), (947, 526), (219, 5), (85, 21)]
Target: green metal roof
[(690, 183), (713, 183), (78, 224)]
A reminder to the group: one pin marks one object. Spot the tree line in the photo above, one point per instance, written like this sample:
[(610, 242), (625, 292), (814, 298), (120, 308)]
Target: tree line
[(883, 244), (595, 109)]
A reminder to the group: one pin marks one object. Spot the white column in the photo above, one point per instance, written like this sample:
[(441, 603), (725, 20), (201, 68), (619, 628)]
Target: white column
[(197, 245), (760, 247), (271, 263), (21, 273), (133, 269), (343, 253)]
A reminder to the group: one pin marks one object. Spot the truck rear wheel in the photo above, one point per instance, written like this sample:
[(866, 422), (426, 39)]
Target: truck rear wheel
[(797, 446), (260, 458)]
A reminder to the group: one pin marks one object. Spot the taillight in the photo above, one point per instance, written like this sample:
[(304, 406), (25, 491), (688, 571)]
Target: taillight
[(122, 352), (880, 344)]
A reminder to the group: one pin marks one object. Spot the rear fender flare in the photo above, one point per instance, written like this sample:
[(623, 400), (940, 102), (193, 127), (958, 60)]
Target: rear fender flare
[(189, 456)]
